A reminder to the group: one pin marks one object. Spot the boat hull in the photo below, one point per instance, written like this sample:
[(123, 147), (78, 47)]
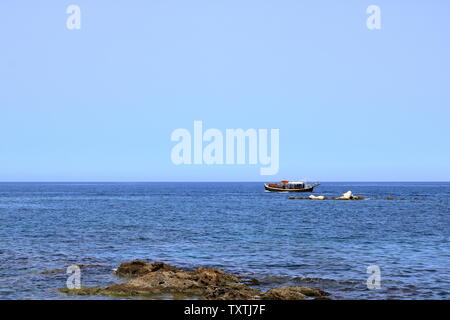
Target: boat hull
[(306, 189)]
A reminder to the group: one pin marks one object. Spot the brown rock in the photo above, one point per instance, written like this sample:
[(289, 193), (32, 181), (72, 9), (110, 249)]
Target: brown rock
[(250, 281), (293, 293), (53, 271), (174, 281), (138, 268), (284, 293), (215, 277), (153, 279), (63, 270), (158, 282), (231, 292)]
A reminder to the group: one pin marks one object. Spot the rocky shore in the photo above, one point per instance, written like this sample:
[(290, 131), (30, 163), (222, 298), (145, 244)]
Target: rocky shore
[(154, 279)]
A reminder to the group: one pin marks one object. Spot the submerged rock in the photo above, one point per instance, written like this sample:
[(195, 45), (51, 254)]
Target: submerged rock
[(150, 279), (64, 270)]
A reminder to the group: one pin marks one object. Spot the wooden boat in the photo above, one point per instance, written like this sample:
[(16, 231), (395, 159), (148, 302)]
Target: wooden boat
[(290, 186)]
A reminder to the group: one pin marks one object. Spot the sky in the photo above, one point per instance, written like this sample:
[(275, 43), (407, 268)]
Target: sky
[(100, 103)]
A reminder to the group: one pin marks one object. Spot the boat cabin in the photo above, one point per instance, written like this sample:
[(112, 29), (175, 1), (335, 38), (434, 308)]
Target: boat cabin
[(285, 184)]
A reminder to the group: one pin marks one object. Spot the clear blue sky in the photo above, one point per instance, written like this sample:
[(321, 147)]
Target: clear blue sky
[(100, 103)]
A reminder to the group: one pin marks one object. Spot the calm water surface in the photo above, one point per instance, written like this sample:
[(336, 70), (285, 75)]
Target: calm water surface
[(234, 226)]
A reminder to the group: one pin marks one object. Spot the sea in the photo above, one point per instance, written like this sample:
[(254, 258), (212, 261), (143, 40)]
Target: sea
[(366, 249)]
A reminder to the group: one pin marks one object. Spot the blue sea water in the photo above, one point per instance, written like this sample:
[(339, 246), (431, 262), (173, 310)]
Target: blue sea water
[(234, 226)]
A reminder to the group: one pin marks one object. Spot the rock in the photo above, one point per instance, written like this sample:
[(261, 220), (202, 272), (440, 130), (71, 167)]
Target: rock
[(231, 292), (389, 198), (293, 293), (311, 292), (347, 195), (291, 197), (215, 277), (139, 268), (82, 291), (284, 293), (150, 279), (300, 198), (158, 282), (251, 281), (53, 271), (159, 278), (317, 198), (340, 198), (64, 270)]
